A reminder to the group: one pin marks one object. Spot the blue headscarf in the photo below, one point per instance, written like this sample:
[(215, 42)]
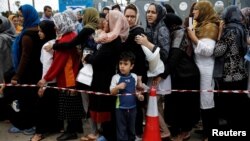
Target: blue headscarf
[(31, 19)]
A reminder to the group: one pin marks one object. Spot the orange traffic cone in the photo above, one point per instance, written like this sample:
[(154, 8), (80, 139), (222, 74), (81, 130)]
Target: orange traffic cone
[(152, 128)]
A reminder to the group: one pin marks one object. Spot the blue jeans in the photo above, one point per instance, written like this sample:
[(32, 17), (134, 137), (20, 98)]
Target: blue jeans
[(125, 124)]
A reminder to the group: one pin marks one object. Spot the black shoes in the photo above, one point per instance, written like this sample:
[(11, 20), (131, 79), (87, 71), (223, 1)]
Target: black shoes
[(67, 136)]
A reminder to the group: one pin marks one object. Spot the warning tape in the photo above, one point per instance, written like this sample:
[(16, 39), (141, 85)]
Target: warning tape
[(108, 94)]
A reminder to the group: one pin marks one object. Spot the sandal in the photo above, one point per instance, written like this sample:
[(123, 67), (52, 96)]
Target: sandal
[(84, 138), (37, 137), (186, 136), (92, 136)]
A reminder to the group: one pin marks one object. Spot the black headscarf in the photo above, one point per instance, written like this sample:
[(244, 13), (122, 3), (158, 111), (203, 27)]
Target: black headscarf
[(48, 28)]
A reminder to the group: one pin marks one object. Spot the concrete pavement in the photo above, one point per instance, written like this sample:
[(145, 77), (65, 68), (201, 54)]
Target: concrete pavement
[(5, 136)]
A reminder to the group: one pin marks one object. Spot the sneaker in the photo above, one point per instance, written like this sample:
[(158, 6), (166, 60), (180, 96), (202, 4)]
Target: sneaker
[(137, 138), (14, 130), (30, 131), (101, 138)]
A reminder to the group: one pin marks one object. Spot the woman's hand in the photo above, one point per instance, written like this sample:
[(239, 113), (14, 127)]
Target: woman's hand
[(41, 83), (41, 91), (143, 40), (14, 82), (192, 36), (49, 47)]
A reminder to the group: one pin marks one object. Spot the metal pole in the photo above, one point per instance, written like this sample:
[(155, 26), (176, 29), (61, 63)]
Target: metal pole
[(9, 5), (33, 3)]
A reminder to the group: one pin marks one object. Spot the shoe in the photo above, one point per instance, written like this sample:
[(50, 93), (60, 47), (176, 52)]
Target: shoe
[(67, 136), (101, 138), (30, 131), (138, 138), (14, 130)]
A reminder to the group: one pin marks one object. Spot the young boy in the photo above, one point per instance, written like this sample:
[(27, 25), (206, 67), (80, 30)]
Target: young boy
[(125, 83)]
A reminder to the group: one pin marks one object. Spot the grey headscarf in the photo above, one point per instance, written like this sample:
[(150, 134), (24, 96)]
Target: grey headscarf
[(233, 18), (6, 27), (152, 30)]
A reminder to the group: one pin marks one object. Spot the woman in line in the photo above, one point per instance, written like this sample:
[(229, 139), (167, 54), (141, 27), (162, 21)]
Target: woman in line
[(102, 108), (7, 36), (157, 39), (46, 114), (131, 13), (182, 111), (204, 44), (231, 72), (16, 22), (64, 68), (86, 40), (26, 51)]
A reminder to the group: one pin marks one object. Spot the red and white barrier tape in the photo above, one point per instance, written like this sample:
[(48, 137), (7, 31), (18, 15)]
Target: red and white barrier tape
[(101, 93)]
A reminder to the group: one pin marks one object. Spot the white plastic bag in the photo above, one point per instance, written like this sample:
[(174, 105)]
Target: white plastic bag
[(85, 75)]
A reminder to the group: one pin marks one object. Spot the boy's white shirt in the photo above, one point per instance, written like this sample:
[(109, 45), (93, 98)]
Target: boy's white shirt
[(116, 78)]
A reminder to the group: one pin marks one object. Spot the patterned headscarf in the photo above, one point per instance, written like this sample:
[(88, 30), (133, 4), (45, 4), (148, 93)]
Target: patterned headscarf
[(91, 18), (31, 19), (71, 15), (63, 24), (207, 21)]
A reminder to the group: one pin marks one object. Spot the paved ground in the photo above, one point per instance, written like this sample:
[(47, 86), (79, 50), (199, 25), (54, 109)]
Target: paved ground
[(5, 136)]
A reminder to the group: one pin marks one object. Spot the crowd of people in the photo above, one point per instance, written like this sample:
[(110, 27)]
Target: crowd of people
[(111, 53)]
